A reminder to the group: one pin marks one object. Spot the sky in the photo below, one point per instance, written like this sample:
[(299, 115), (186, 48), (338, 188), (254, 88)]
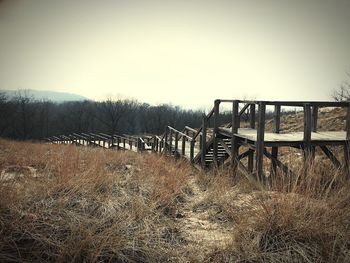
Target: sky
[(184, 52)]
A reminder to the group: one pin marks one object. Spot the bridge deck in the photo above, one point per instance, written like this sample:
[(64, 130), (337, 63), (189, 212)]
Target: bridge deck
[(294, 138)]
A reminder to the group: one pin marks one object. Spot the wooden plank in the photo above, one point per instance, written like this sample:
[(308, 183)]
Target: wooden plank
[(260, 142), (226, 148), (294, 103), (297, 137)]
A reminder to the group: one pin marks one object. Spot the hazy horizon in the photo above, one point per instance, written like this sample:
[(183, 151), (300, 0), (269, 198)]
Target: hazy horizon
[(186, 53)]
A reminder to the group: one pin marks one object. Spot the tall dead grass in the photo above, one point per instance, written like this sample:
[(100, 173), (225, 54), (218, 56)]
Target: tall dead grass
[(77, 204), (87, 205), (301, 218)]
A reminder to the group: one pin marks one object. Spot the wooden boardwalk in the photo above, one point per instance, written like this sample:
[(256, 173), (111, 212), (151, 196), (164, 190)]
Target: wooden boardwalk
[(223, 143)]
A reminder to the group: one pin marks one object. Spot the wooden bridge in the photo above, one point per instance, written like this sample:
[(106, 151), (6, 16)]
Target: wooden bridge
[(229, 143)]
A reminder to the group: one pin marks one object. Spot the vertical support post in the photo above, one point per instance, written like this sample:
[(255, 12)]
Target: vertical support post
[(139, 147), (252, 126), (234, 138), (252, 116), (276, 129), (192, 150), (314, 118), (347, 145), (260, 142), (118, 141), (307, 136), (124, 144), (215, 132), (130, 144), (171, 141), (204, 140), (165, 140), (183, 146), (176, 143)]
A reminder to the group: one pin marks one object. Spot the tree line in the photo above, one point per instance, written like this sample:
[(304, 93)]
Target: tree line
[(22, 117)]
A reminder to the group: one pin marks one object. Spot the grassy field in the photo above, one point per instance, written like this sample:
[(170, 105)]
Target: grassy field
[(77, 204)]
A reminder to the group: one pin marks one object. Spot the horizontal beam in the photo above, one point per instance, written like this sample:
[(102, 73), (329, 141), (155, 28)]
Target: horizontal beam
[(294, 103)]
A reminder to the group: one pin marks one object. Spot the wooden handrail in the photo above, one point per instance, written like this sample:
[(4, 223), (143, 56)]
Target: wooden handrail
[(181, 133)]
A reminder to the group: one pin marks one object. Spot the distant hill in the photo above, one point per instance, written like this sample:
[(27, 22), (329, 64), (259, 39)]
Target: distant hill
[(54, 96)]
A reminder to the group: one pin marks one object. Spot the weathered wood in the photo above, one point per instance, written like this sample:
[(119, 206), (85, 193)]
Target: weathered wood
[(251, 162), (252, 116), (234, 139), (276, 129), (165, 140), (314, 118), (215, 129), (283, 167), (307, 136), (176, 143), (260, 142), (192, 150), (203, 141), (183, 146), (331, 156), (170, 142)]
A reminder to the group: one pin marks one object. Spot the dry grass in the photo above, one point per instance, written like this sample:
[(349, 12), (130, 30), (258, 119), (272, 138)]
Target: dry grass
[(297, 220), (65, 203), (87, 205)]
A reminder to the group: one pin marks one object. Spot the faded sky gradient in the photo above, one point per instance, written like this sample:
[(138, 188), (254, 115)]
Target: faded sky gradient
[(178, 51)]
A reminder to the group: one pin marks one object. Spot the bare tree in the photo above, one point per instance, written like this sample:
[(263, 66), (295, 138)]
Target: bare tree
[(110, 113), (5, 113), (342, 93), (24, 113)]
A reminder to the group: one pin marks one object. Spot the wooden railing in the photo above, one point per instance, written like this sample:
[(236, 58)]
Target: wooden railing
[(184, 143)]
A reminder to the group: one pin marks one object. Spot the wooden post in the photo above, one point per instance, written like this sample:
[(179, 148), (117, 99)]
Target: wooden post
[(165, 140), (203, 138), (192, 150), (260, 142), (171, 141), (130, 144), (234, 138), (176, 143), (252, 116), (347, 145), (215, 132), (118, 141), (124, 144), (252, 126), (314, 118), (307, 136), (276, 129), (183, 146)]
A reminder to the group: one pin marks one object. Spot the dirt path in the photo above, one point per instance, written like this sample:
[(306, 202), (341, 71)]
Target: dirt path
[(196, 226)]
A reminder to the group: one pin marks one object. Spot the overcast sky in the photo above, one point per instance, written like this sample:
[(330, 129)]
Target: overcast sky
[(184, 52)]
